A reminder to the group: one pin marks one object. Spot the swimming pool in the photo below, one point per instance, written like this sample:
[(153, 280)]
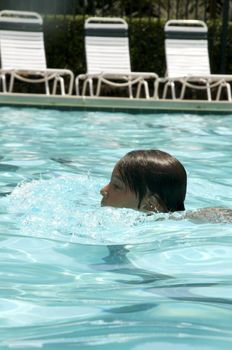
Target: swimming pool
[(78, 276)]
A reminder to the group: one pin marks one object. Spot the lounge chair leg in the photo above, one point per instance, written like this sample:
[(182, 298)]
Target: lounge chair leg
[(182, 92), (165, 91), (208, 91), (218, 96), (84, 87), (138, 90), (173, 92), (47, 88), (77, 85), (3, 79), (91, 87), (146, 90), (71, 83), (62, 88), (88, 82), (147, 94), (170, 84), (130, 90), (54, 88), (11, 83), (228, 91), (156, 91), (98, 87)]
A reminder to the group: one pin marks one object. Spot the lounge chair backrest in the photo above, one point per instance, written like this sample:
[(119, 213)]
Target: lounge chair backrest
[(186, 48), (107, 45), (21, 41)]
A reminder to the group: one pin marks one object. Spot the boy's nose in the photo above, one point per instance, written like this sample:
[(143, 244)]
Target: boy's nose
[(104, 191)]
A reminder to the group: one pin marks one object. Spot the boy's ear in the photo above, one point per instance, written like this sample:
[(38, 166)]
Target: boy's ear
[(152, 202)]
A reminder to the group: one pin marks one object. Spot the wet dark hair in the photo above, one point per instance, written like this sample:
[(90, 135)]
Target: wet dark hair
[(157, 173)]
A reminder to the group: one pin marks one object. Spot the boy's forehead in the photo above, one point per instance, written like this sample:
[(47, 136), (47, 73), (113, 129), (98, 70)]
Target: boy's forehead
[(116, 173)]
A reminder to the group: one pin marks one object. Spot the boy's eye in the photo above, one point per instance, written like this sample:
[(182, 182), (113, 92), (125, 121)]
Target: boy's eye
[(116, 186)]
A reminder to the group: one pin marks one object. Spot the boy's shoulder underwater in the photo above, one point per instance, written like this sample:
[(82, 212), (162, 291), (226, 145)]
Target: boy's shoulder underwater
[(209, 215)]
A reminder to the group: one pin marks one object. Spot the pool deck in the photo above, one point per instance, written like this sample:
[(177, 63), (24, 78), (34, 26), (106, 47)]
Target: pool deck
[(113, 104)]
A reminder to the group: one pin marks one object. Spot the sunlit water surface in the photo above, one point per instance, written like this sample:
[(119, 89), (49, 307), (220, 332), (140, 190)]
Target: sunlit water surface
[(78, 276)]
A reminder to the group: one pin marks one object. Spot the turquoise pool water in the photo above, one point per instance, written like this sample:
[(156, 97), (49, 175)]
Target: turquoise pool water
[(78, 276)]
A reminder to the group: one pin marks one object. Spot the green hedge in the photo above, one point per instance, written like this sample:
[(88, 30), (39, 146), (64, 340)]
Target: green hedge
[(64, 38)]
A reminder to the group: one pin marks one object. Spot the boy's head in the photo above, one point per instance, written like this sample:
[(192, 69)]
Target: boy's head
[(147, 180)]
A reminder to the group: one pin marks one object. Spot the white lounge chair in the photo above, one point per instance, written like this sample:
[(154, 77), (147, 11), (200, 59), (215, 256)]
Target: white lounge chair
[(23, 56), (187, 60), (108, 59)]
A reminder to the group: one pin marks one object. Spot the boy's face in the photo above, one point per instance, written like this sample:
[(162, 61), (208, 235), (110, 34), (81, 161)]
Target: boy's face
[(117, 194)]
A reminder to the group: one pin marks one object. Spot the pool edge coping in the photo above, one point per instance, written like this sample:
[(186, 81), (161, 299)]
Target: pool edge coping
[(113, 104)]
